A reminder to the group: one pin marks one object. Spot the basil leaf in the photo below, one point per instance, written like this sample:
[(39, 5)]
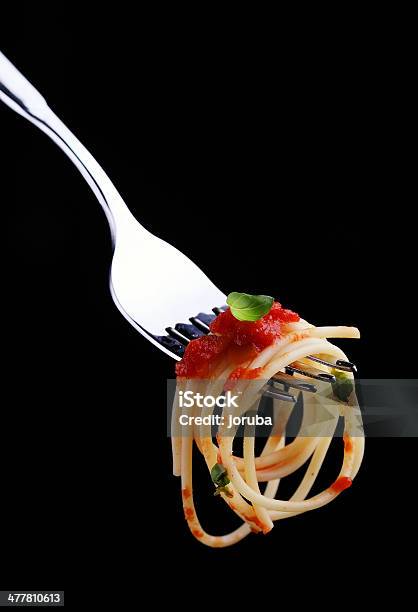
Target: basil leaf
[(343, 386), (219, 475), (246, 307), (220, 479)]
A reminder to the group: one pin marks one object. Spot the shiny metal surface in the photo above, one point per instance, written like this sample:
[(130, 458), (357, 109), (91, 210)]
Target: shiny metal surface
[(152, 283), (155, 286)]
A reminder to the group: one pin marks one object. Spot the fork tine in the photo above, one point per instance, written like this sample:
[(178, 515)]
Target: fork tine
[(316, 374), (340, 364), (289, 381), (197, 322), (217, 310), (177, 336), (345, 366), (206, 318), (189, 331), (171, 344), (277, 394)]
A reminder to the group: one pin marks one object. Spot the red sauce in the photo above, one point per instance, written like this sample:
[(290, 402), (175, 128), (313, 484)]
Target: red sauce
[(342, 483), (260, 333), (188, 514), (197, 533), (200, 355), (239, 341), (186, 493), (348, 444), (241, 374), (256, 521), (250, 518)]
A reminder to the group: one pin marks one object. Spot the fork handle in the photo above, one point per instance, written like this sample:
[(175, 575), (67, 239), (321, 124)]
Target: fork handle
[(24, 99)]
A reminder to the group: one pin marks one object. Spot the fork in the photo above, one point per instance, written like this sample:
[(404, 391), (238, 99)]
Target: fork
[(146, 272)]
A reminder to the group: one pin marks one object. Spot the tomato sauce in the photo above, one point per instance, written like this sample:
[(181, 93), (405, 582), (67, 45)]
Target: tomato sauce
[(342, 483), (238, 341), (241, 374), (189, 514), (348, 444)]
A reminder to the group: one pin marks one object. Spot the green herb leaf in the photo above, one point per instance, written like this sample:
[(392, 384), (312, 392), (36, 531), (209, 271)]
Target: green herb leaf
[(223, 490), (343, 386), (220, 478), (246, 307), (219, 475)]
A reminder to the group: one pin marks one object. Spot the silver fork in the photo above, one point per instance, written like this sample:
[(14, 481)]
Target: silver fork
[(146, 272)]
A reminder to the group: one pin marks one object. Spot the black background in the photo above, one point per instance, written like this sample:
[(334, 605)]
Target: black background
[(278, 173)]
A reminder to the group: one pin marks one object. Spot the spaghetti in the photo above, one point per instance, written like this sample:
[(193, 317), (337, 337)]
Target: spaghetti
[(242, 355)]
